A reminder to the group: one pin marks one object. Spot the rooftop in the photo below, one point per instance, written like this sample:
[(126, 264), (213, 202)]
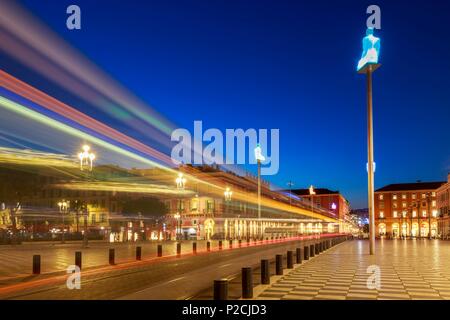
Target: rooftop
[(318, 191), (411, 186)]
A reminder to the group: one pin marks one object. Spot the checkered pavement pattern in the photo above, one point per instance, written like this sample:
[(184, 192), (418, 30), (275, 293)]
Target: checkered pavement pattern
[(409, 269)]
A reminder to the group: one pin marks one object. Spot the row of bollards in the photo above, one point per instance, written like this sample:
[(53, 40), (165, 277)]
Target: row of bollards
[(308, 252), (220, 288), (111, 258)]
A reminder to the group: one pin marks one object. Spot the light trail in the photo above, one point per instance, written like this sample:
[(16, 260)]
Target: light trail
[(92, 83), (57, 280), (21, 88)]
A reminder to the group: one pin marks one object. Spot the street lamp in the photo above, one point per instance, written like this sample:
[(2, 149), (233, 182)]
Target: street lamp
[(228, 193), (177, 216), (312, 193), (259, 157), (180, 181), (86, 157), (367, 65), (63, 209)]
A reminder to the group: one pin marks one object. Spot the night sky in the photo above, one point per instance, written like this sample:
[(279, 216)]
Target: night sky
[(287, 65)]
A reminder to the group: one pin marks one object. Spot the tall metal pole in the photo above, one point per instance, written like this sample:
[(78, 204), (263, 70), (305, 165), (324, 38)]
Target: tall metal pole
[(259, 189), (85, 235), (370, 170), (63, 228), (259, 198)]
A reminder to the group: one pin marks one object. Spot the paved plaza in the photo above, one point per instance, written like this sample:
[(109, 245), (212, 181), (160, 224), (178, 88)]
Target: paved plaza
[(410, 269), (16, 261)]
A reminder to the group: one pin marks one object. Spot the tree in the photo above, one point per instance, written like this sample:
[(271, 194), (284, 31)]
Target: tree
[(146, 206)]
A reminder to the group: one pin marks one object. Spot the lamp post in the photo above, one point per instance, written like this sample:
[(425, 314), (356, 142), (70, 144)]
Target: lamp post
[(85, 233), (177, 216), (228, 193), (312, 193), (180, 182), (259, 158), (86, 157), (367, 65), (63, 209)]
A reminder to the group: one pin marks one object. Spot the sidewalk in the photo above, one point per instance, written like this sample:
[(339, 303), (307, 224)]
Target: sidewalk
[(410, 269)]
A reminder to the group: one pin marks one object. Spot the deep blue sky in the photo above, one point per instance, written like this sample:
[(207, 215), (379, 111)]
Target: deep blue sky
[(287, 65)]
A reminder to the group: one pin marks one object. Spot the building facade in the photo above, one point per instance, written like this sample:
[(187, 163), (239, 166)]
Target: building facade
[(407, 210), (332, 201), (443, 203)]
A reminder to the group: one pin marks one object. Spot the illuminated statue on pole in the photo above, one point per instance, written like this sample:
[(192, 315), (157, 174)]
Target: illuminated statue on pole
[(371, 50)]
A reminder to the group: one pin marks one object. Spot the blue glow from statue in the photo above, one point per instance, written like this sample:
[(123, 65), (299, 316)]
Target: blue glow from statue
[(371, 50)]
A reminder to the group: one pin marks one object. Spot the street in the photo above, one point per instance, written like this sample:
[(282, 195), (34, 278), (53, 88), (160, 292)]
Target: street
[(169, 277)]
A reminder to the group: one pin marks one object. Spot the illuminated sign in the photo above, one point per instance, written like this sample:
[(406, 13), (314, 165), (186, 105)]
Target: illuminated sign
[(371, 50)]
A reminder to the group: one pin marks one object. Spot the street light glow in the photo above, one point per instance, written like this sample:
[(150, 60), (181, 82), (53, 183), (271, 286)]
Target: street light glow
[(86, 157), (180, 181)]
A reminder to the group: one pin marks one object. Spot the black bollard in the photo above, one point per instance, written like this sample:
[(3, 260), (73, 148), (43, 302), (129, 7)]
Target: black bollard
[(78, 259), (317, 249), (265, 273), (220, 244), (111, 256), (231, 244), (290, 259), (37, 264), (298, 255), (279, 264), (138, 253), (178, 249), (208, 246), (221, 289), (159, 250), (311, 251), (194, 247), (247, 283)]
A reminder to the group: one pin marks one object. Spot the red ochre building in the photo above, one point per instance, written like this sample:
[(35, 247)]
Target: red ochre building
[(443, 203), (332, 201), (407, 210)]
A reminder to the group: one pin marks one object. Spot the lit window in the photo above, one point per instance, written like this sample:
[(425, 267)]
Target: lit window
[(381, 214), (433, 194), (403, 196), (394, 197), (434, 213), (404, 214), (414, 213), (413, 196), (380, 197), (403, 204), (424, 195), (395, 213), (433, 203), (394, 204), (424, 213)]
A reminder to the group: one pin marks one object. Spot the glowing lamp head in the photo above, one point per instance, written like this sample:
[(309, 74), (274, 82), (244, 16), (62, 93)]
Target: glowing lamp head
[(86, 148), (258, 153)]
